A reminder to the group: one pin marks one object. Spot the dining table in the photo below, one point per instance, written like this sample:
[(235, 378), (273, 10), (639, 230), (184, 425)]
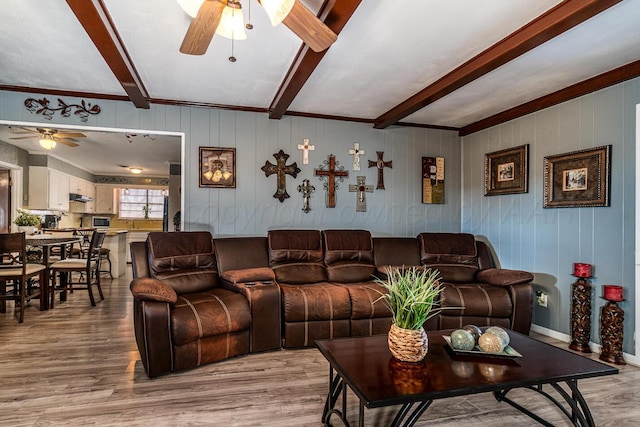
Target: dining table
[(46, 242)]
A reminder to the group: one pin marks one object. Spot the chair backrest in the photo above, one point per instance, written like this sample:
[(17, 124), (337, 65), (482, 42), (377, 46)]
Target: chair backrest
[(97, 239), (12, 250)]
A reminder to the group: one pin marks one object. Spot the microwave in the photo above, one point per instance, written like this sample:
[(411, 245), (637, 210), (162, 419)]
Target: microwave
[(100, 222)]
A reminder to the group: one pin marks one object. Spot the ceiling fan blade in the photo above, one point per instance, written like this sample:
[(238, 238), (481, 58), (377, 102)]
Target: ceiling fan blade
[(202, 28), (309, 28), (25, 137), (66, 142), (69, 135)]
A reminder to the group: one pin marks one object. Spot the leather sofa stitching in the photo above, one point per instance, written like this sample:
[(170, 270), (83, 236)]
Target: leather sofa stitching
[(200, 333), (486, 295)]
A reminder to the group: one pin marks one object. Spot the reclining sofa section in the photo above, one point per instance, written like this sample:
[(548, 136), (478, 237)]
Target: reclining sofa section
[(198, 300)]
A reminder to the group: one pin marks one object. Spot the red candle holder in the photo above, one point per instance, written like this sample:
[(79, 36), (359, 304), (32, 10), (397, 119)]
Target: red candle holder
[(582, 270), (613, 293)]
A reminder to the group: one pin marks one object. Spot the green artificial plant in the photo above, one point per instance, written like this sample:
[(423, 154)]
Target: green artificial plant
[(25, 218)]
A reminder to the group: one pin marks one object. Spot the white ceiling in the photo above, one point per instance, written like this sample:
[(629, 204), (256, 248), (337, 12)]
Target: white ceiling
[(388, 51)]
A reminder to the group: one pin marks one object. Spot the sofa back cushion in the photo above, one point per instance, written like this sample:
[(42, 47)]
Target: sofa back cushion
[(185, 260), (348, 255), (240, 253), (453, 254), (296, 256), (396, 251)]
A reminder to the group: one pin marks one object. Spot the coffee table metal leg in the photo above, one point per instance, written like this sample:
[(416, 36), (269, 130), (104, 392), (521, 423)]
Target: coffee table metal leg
[(337, 386), (413, 416), (580, 415)]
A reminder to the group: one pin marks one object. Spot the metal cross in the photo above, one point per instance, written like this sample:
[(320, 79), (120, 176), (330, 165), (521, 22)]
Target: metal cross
[(329, 175), (306, 148), (356, 152), (281, 169), (306, 189), (380, 164), (362, 189)]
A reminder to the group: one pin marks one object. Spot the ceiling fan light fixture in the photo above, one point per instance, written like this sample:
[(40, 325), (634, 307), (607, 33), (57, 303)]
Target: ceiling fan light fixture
[(191, 7), (136, 171), (47, 142), (232, 22), (277, 10)]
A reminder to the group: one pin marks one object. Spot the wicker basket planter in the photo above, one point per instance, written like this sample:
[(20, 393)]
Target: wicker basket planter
[(408, 345)]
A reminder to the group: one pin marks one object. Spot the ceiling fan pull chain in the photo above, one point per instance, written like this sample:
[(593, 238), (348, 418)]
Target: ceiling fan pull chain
[(249, 25), (232, 58)]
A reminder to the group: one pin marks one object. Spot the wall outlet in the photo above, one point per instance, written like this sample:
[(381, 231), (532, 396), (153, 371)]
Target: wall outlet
[(542, 299)]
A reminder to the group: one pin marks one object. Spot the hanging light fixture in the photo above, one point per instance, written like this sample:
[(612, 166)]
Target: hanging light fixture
[(277, 9), (136, 171), (232, 22), (47, 142)]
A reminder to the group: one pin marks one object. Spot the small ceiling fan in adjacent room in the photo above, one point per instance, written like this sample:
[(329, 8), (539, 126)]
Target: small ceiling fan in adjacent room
[(50, 137), (225, 17)]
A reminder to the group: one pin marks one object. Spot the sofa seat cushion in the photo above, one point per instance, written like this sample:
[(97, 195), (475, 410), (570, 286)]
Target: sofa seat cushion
[(206, 314), (476, 299), (316, 301), (366, 300)]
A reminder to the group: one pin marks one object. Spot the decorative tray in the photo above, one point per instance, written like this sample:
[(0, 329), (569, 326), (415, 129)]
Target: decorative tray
[(508, 352)]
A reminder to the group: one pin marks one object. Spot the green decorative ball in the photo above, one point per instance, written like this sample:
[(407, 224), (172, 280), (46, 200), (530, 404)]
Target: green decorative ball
[(501, 333), (462, 340)]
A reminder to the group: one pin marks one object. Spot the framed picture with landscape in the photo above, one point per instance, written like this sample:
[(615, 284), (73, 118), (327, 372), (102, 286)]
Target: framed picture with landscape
[(578, 179), (506, 171)]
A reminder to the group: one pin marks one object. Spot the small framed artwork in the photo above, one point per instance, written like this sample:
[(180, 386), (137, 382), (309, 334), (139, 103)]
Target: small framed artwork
[(506, 171), (217, 167), (578, 179), (433, 180)]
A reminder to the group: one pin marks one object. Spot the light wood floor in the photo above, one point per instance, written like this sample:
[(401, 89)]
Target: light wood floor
[(78, 365)]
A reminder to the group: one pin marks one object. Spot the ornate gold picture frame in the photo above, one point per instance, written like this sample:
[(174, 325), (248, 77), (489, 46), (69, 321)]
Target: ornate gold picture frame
[(507, 171), (578, 179)]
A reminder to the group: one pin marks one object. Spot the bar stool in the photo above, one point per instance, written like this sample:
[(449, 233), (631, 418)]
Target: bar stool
[(104, 256)]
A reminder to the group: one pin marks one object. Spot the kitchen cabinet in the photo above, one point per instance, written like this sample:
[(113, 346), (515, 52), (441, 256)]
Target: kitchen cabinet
[(48, 189), (106, 200), (86, 188)]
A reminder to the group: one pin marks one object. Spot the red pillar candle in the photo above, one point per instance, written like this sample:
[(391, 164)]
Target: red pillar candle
[(613, 293), (581, 270)]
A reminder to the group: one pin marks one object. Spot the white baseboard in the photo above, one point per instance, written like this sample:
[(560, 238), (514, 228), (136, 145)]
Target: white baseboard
[(629, 358)]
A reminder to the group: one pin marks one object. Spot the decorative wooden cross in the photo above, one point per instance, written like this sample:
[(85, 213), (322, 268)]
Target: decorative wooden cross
[(306, 189), (380, 164), (306, 148), (356, 152), (362, 189), (329, 176), (281, 169)]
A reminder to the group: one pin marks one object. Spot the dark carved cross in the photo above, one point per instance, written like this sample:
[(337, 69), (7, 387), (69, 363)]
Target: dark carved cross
[(281, 169), (380, 164), (362, 189), (333, 170)]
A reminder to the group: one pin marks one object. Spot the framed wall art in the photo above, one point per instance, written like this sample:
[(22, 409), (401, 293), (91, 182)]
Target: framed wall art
[(578, 179), (217, 167), (506, 171), (433, 180)]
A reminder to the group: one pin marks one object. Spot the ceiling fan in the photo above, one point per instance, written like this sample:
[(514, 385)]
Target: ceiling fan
[(208, 14), (49, 137)]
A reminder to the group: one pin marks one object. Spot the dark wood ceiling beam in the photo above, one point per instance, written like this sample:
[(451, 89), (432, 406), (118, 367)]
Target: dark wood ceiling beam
[(95, 19), (335, 15), (552, 23), (610, 78)]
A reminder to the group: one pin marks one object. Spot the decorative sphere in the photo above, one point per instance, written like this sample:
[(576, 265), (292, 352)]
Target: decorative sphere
[(462, 340), (490, 343), (501, 333), (474, 330)]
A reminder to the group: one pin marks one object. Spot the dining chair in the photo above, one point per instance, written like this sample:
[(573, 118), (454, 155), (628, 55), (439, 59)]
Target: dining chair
[(88, 267), (15, 270)]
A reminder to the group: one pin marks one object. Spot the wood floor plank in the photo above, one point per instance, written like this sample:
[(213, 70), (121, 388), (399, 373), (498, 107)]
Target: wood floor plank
[(78, 365)]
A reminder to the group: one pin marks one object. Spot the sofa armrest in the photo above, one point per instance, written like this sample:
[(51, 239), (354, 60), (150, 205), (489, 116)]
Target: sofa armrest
[(263, 294), (503, 277), (148, 289), (152, 325)]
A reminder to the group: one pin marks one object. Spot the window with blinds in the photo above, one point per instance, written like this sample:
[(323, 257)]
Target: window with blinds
[(139, 203)]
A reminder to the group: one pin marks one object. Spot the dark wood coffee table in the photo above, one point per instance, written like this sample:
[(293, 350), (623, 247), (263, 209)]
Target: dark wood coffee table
[(366, 366)]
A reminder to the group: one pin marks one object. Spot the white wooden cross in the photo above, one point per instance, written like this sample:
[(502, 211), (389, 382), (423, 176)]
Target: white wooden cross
[(356, 152), (306, 148)]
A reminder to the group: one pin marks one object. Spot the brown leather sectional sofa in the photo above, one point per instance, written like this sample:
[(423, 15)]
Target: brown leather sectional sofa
[(198, 300)]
